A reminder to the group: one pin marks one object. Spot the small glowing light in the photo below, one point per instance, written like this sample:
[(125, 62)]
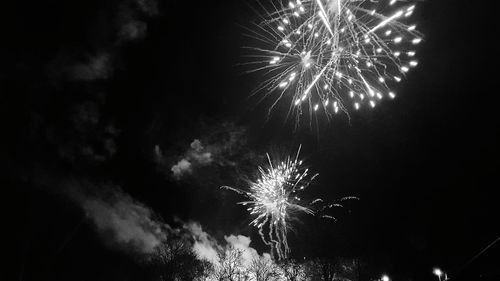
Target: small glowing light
[(325, 87), (283, 84), (372, 104), (316, 34), (411, 53), (392, 2), (351, 94), (438, 272), (379, 96), (388, 32), (369, 64), (310, 26), (361, 96), (381, 79), (397, 54), (392, 95), (397, 78), (408, 13), (316, 107), (398, 39), (291, 5), (297, 102), (286, 21), (416, 41), (356, 105), (281, 28), (405, 69), (413, 63), (385, 278), (379, 50), (410, 28)]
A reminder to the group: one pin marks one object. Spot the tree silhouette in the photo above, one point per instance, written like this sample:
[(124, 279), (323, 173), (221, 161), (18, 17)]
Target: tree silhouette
[(263, 269), (293, 270), (176, 261), (230, 267)]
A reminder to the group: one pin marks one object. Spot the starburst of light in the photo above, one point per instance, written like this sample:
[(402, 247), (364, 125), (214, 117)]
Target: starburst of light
[(334, 55), (274, 200)]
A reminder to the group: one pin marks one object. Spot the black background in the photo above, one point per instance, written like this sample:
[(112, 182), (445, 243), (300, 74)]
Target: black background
[(424, 165)]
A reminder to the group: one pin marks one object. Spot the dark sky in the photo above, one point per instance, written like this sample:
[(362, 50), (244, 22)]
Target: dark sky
[(425, 165)]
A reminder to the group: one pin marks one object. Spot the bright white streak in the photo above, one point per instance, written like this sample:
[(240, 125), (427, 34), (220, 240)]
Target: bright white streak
[(324, 18), (316, 79), (368, 87), (387, 20)]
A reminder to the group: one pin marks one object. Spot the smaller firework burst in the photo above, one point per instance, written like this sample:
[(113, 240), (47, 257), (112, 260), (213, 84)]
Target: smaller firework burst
[(274, 200)]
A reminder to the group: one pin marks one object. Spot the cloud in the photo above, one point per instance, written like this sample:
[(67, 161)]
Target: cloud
[(205, 246), (224, 145), (95, 68), (242, 243), (133, 29), (196, 156), (149, 7), (181, 168), (124, 223)]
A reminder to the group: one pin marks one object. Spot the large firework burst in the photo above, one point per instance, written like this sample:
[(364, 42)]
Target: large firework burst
[(274, 200), (333, 55)]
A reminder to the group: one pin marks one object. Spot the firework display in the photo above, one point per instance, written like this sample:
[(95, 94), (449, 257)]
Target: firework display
[(332, 56), (274, 200)]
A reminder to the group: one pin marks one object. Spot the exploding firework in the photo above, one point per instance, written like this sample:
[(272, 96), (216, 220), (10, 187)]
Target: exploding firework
[(274, 201), (334, 55)]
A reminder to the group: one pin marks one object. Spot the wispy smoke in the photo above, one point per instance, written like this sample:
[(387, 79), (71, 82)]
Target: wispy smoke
[(130, 226), (205, 246), (224, 145), (196, 156), (124, 223), (94, 68), (242, 243)]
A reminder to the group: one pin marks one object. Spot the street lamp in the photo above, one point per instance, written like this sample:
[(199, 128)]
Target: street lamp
[(385, 278), (438, 272)]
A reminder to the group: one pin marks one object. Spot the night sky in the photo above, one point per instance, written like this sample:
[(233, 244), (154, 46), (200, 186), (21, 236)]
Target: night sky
[(109, 95)]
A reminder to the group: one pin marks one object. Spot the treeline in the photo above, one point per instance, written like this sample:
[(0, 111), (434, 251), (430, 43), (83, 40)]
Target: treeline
[(176, 261)]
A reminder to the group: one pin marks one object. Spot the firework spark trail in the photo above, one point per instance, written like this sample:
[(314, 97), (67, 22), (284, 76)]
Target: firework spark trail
[(273, 200), (321, 53)]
